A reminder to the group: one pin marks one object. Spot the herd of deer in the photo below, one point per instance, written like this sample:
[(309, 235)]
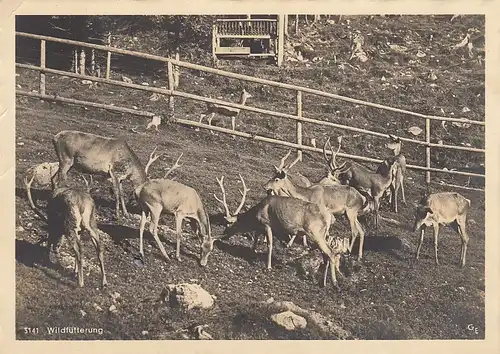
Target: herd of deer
[(293, 205)]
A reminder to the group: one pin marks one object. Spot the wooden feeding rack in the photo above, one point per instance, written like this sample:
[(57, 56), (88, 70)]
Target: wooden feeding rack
[(246, 38)]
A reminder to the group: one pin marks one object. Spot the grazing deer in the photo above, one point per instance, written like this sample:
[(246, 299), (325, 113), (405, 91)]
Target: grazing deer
[(293, 216), (164, 195), (337, 199), (443, 208), (213, 108), (363, 179), (95, 154), (395, 146), (69, 210)]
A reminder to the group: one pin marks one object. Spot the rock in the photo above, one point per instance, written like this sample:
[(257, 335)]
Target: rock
[(116, 297), (126, 79), (415, 130), (144, 333), (289, 320), (97, 307), (83, 313), (113, 309), (188, 296), (20, 229)]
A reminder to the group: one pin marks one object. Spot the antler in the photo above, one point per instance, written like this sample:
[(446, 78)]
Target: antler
[(243, 196), (152, 158), (282, 162), (223, 201), (332, 164), (293, 163), (174, 166)]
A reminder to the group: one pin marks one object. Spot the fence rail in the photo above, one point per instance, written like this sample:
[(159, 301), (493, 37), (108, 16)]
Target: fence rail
[(299, 118)]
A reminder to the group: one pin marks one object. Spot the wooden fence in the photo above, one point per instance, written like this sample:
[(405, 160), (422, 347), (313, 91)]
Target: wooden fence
[(171, 92)]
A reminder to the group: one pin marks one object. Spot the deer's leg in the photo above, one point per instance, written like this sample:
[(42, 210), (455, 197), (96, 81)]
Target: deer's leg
[(354, 229), (100, 253), (116, 191), (269, 235), (155, 219), (376, 206), (436, 232), (394, 192), (142, 225), (77, 247), (361, 238), (465, 239), (122, 199), (290, 243), (210, 117), (178, 232), (321, 242), (420, 241), (403, 190), (255, 240)]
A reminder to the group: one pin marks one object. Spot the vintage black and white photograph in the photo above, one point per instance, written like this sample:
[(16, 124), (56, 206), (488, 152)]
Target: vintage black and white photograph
[(250, 177)]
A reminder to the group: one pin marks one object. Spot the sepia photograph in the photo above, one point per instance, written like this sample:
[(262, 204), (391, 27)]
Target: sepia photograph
[(250, 177)]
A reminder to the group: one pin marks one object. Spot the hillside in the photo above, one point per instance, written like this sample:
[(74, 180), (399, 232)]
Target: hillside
[(387, 296)]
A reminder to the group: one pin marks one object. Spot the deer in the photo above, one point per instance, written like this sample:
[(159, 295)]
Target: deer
[(95, 154), (291, 215), (336, 199), (395, 146), (157, 196), (213, 108), (68, 212), (363, 179), (444, 208)]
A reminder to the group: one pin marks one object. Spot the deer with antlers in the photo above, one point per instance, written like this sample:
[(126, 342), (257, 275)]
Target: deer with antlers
[(293, 216), (395, 146), (336, 199), (443, 208), (99, 155), (157, 196), (213, 108), (69, 211), (363, 179)]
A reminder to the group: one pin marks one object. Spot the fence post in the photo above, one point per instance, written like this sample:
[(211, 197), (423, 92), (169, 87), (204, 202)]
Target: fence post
[(176, 69), (428, 150), (299, 124), (286, 24), (108, 60), (42, 65), (92, 62), (82, 61), (281, 38), (171, 87), (215, 43)]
